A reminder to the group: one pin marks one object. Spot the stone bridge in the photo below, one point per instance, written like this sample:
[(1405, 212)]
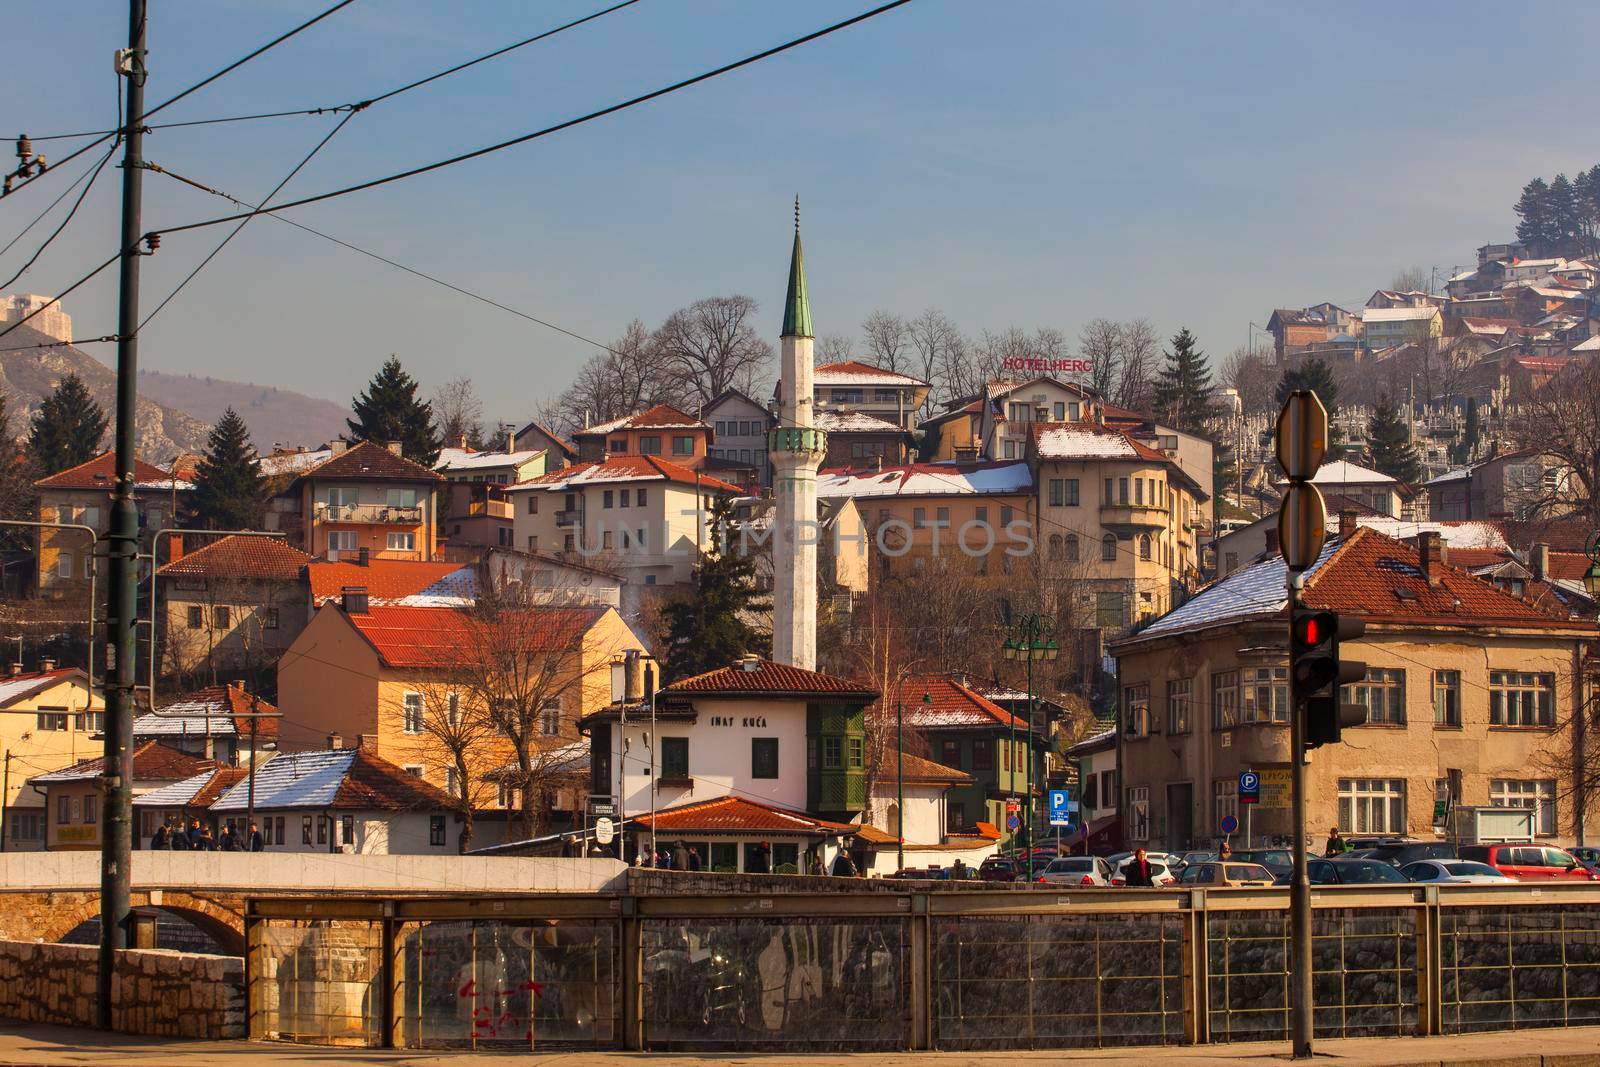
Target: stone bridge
[(45, 895)]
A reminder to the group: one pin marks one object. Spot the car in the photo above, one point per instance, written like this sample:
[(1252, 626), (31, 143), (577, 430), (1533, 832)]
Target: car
[(1160, 873), (1401, 854), (1587, 855), (1344, 871), (1465, 872), (1277, 860), (1194, 856), (1227, 873), (1076, 870), (1529, 862), (1118, 858), (998, 869)]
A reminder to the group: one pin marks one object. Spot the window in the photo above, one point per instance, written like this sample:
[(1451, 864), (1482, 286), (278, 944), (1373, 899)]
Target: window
[(269, 618), (550, 718), (650, 446), (858, 753), (341, 541), (1136, 712), (1138, 491), (638, 537), (1372, 805), (624, 501), (618, 445), (1122, 490), (919, 518), (52, 721), (1447, 698), (1108, 548), (675, 758), (452, 713), (1071, 492), (1224, 700), (436, 830), (1110, 609), (413, 769), (955, 817), (941, 516), (64, 565), (322, 829), (452, 782), (411, 717), (91, 808), (1108, 789), (606, 498), (341, 496), (400, 498), (1179, 698), (1005, 515), (1058, 493), (1520, 699), (1540, 795), (195, 616), (279, 821), (221, 618), (1224, 800), (1383, 694), (93, 722), (347, 829), (764, 755), (1109, 496), (638, 497), (1059, 411), (1139, 812), (1144, 546), (832, 753), (883, 396), (63, 810), (1264, 697), (1057, 546), (305, 830), (950, 753), (982, 754), (533, 503), (848, 396), (683, 446), (605, 539)]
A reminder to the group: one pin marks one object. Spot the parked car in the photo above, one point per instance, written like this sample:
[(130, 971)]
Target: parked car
[(1160, 873), (1116, 859), (1194, 856), (998, 869), (1588, 855), (1466, 872), (1227, 873), (1402, 853), (1277, 860), (1076, 870), (1529, 862), (1344, 871)]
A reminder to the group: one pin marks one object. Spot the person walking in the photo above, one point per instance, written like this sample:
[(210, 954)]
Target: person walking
[(694, 859), (1138, 871), (178, 839), (229, 842), (814, 867), (159, 838), (844, 866), (207, 843), (1336, 843), (256, 844)]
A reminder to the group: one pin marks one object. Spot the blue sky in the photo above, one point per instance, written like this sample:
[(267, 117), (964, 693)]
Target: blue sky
[(1027, 163)]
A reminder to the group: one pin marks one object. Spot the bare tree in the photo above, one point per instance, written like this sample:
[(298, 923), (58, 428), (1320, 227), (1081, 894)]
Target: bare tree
[(1251, 375), (1411, 280), (459, 745), (934, 340), (888, 341), (627, 378), (1100, 342), (712, 345), (1141, 353), (1562, 420), (835, 348), (458, 413)]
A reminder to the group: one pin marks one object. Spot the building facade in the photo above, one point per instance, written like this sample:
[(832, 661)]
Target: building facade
[(82, 496), (366, 497), (661, 431), (49, 719), (740, 427)]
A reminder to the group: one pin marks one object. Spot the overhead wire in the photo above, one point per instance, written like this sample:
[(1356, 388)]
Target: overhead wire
[(40, 216), (76, 204)]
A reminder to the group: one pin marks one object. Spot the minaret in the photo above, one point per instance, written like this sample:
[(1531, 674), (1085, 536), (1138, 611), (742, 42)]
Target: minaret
[(795, 448)]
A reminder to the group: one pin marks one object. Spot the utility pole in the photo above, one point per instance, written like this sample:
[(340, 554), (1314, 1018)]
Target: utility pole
[(116, 846), (900, 781)]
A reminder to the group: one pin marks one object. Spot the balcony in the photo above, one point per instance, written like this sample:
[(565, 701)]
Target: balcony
[(569, 520), (382, 514), (1133, 518)]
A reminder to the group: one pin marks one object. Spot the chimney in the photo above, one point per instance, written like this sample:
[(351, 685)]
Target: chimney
[(1539, 560), (1347, 523), (633, 685), (1430, 556), (335, 742), (174, 547), (338, 445), (749, 662), (1272, 540), (367, 743), (47, 664), (364, 556), (461, 441), (354, 599), (393, 446)]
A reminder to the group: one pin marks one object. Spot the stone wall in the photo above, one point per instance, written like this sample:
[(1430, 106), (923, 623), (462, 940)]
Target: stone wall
[(159, 994)]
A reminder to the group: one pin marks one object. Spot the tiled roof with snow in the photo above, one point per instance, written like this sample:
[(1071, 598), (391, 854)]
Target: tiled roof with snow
[(223, 709), (660, 417), (341, 779), (465, 459), (152, 762), (14, 687), (239, 557), (854, 422), (768, 679), (101, 473), (293, 461), (927, 479), (368, 461), (853, 372), (1343, 472), (391, 581), (1401, 314), (619, 469), (1087, 440)]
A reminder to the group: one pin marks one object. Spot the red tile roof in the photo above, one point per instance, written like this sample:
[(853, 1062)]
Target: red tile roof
[(951, 706), (368, 461), (101, 473), (770, 679), (866, 370), (152, 762), (923, 772), (434, 637), (15, 687), (265, 558), (372, 783), (384, 579), (628, 469), (738, 815), (1569, 565), (247, 710), (661, 416), (1380, 579), (222, 779)]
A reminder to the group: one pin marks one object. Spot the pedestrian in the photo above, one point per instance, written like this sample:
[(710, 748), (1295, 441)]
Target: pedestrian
[(207, 842), (1225, 852), (844, 866), (814, 867), (759, 861), (256, 844), (177, 839), (1336, 844), (194, 833), (694, 859), (643, 857), (229, 841), (1137, 871), (958, 869), (159, 838)]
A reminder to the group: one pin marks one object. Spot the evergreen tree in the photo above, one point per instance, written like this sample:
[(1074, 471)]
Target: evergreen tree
[(1183, 390), (1535, 228), (390, 411), (1562, 205), (709, 627), (1389, 440), (228, 483), (16, 486), (1315, 375), (66, 429)]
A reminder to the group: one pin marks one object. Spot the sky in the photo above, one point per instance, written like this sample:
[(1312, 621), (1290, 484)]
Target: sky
[(1021, 164)]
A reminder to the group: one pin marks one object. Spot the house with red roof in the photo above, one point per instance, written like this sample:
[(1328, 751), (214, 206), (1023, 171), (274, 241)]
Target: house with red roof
[(364, 498), (220, 722), (851, 387), (74, 801), (82, 495), (642, 517), (49, 718), (662, 431), (1470, 691)]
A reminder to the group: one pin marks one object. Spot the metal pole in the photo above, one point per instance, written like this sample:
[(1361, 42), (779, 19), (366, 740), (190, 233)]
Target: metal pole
[(1300, 884), (116, 846), (1027, 818), (655, 743), (5, 792), (900, 779)]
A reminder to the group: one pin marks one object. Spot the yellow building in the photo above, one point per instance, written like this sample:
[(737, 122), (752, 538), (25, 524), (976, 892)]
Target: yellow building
[(49, 719), (75, 800)]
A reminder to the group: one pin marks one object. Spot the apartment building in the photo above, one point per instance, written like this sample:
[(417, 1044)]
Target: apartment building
[(82, 495), (49, 718), (367, 497), (661, 431), (860, 388), (995, 425), (740, 426)]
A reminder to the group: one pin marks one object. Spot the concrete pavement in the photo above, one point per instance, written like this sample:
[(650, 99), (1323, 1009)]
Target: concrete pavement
[(50, 1046)]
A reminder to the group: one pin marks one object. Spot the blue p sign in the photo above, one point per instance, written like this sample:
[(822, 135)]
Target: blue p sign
[(1249, 787)]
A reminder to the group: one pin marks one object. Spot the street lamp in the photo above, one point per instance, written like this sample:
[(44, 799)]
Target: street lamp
[(1032, 638), (1591, 577)]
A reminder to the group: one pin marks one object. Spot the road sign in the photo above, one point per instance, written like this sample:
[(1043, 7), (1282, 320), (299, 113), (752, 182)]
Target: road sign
[(1302, 525), (1061, 806), (1249, 787), (604, 830), (1302, 435), (1012, 822), (602, 806), (1230, 824)]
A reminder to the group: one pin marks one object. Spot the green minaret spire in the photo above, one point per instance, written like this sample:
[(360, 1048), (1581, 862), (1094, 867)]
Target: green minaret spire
[(797, 305)]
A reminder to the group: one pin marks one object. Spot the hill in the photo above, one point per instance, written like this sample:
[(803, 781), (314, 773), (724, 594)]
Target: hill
[(273, 415)]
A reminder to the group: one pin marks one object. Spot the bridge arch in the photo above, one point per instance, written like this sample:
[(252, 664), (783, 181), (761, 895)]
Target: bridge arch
[(221, 920)]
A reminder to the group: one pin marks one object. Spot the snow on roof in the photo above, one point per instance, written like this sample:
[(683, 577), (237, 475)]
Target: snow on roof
[(293, 780), (853, 422), (293, 462), (1343, 472), (1465, 533), (1398, 314), (1460, 474), (172, 722), (926, 479), (465, 459), (14, 687), (852, 372), (1256, 590), (1590, 345), (178, 794), (1083, 440)]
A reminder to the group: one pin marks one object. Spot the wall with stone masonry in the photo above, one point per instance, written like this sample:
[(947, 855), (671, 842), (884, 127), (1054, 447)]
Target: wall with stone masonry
[(159, 993)]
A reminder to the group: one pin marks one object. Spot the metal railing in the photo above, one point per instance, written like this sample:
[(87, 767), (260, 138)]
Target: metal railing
[(396, 514), (958, 970)]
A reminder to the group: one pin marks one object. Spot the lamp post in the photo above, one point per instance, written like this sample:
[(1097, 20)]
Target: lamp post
[(1591, 577), (1032, 638)]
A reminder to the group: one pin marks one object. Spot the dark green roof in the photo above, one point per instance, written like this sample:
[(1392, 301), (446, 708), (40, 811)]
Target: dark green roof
[(797, 305)]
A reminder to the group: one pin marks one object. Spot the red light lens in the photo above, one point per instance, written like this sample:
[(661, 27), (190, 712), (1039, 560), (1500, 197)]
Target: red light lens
[(1309, 632)]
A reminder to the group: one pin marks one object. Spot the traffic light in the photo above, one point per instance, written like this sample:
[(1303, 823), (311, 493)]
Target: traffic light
[(1314, 638)]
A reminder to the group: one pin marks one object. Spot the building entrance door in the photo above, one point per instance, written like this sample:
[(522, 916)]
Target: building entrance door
[(1180, 816)]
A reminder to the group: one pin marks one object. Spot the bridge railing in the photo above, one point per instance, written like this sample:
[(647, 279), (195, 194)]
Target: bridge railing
[(935, 970)]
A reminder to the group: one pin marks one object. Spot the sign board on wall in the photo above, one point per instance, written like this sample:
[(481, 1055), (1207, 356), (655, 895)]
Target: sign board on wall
[(1274, 788)]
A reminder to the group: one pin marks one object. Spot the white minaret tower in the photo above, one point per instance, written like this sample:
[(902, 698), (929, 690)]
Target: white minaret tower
[(795, 448)]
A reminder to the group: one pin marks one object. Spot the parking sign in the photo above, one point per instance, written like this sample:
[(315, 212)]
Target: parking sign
[(1249, 787), (1060, 808)]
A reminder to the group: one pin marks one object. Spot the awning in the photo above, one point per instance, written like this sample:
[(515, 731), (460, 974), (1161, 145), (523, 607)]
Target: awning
[(1105, 832)]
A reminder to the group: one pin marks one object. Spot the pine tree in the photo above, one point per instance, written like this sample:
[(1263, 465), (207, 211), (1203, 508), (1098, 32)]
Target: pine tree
[(709, 627), (66, 429), (227, 483), (1315, 375), (390, 411), (1562, 205), (1389, 440), (1183, 391), (1535, 228)]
